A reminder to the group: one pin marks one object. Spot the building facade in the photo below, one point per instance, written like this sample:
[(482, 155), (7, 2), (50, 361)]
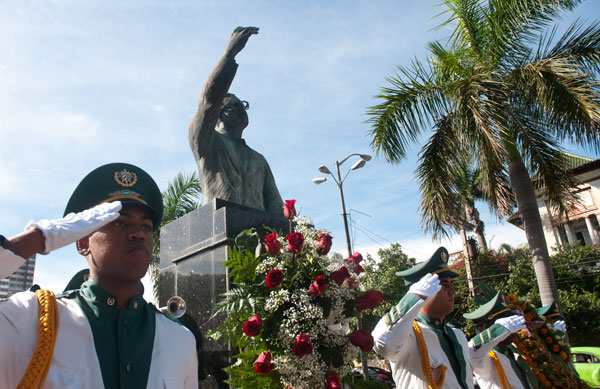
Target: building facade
[(19, 281), (581, 221)]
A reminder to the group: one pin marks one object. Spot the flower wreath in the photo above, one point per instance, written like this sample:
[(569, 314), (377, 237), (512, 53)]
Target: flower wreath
[(291, 313), (544, 349)]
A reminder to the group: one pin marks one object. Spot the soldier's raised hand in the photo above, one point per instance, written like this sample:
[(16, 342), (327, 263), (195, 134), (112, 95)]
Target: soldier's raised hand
[(426, 287), (238, 40), (560, 325), (512, 323), (74, 226)]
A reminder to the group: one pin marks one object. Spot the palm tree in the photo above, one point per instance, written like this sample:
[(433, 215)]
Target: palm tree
[(180, 198), (491, 94), (456, 207)]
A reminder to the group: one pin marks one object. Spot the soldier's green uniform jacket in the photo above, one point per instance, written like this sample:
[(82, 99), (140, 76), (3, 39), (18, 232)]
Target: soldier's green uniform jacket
[(396, 340)]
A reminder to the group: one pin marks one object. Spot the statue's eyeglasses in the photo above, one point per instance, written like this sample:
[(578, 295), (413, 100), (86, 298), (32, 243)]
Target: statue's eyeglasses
[(234, 105)]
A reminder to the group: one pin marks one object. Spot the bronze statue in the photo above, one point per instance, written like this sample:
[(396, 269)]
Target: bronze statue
[(229, 169)]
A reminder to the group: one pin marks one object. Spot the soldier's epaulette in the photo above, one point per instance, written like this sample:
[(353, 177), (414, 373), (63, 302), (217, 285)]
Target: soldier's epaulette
[(488, 335), (393, 315)]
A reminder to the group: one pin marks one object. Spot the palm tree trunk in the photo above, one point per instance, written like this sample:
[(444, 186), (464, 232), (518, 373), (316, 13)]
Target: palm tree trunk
[(478, 227), (467, 260), (532, 224)]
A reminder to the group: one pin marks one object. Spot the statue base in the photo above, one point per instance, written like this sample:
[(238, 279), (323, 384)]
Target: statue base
[(192, 250)]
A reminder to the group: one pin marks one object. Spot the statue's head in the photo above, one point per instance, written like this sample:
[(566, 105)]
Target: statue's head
[(233, 114)]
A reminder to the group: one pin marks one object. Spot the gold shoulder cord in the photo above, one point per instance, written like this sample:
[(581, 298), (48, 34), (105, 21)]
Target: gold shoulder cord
[(425, 364), (500, 371), (38, 367)]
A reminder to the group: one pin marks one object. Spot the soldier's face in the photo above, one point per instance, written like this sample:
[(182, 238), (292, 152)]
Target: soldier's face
[(121, 250), (234, 114), (443, 302)]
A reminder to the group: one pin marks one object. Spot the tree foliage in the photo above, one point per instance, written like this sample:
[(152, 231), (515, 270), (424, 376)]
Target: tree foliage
[(510, 270), (577, 274), (504, 89), (382, 276)]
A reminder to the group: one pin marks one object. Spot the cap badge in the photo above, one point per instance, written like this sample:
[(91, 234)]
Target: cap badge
[(125, 178), (444, 256)]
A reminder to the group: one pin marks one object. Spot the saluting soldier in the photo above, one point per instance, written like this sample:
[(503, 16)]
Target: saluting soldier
[(499, 370), (423, 349), (553, 315), (103, 334)]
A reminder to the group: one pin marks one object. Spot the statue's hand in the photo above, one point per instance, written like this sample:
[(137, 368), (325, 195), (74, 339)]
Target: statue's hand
[(238, 40)]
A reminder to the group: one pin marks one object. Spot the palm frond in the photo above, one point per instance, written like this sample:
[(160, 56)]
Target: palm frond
[(181, 196), (579, 45), (409, 106), (566, 98), (519, 22), (440, 203), (545, 161)]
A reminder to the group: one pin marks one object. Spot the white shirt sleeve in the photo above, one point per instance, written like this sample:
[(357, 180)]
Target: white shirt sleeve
[(390, 341), (9, 262)]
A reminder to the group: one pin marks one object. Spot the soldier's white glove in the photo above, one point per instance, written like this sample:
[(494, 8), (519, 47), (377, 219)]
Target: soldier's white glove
[(560, 325), (428, 286), (61, 232), (512, 323)]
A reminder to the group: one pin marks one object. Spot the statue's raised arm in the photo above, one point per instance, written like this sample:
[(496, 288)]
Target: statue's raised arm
[(227, 167), (215, 89)]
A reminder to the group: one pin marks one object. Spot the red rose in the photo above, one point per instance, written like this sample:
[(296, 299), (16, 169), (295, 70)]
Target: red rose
[(274, 278), (363, 340), (252, 326), (339, 276), (332, 380), (358, 269), (356, 258), (263, 364), (289, 210), (369, 300), (324, 243), (295, 240), (272, 244), (318, 286), (302, 346)]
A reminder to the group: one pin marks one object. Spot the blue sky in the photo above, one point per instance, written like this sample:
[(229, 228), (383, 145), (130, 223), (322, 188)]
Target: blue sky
[(86, 83)]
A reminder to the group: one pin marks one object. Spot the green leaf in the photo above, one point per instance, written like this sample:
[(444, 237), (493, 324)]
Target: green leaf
[(332, 356), (247, 240), (242, 265)]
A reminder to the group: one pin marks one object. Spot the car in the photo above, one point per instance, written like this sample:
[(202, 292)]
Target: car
[(376, 374), (587, 363)]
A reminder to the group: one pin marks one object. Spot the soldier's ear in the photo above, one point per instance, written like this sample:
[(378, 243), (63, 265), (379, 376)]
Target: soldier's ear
[(83, 246)]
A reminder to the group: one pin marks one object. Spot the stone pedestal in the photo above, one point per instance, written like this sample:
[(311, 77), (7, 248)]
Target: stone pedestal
[(192, 250)]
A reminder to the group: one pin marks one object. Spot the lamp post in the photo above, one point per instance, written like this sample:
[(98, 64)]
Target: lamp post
[(339, 182)]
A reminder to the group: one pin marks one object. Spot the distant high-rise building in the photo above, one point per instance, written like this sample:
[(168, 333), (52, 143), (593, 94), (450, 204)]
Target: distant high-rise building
[(19, 281)]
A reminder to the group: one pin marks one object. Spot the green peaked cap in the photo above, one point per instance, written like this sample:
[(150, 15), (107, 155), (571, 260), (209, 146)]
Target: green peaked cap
[(117, 181), (79, 278), (550, 311), (492, 310), (436, 264)]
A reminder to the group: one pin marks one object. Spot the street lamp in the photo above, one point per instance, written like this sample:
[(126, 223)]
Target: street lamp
[(340, 181)]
